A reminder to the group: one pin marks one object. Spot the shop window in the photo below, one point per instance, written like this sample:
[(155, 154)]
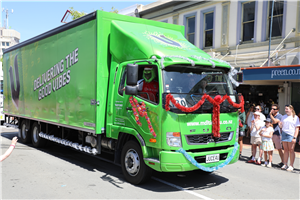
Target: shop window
[(191, 29), (277, 18), (248, 21), (209, 31)]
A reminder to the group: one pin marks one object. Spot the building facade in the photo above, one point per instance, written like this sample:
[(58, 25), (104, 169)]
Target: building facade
[(238, 32), (8, 38)]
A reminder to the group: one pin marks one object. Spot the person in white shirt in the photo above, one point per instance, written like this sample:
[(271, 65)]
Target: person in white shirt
[(290, 128), (256, 125), (259, 109), (267, 146)]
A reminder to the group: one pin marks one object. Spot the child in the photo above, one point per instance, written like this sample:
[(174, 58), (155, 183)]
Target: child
[(267, 144)]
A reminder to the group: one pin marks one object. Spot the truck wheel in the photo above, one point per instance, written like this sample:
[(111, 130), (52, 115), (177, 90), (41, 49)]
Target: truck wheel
[(23, 134), (133, 166), (37, 141)]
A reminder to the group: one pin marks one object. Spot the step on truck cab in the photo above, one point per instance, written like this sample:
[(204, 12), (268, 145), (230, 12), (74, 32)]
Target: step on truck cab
[(124, 89)]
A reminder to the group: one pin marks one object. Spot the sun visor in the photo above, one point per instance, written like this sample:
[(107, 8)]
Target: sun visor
[(133, 41)]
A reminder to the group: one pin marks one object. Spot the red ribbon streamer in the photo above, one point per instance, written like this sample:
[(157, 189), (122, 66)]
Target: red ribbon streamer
[(141, 110), (216, 108)]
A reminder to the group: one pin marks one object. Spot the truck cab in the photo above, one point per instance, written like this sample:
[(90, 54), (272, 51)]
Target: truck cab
[(185, 72)]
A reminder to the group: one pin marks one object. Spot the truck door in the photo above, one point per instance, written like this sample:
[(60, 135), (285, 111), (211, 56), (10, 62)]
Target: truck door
[(148, 93)]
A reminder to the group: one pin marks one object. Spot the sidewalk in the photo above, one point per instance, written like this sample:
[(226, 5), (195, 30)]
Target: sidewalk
[(276, 158), (246, 141)]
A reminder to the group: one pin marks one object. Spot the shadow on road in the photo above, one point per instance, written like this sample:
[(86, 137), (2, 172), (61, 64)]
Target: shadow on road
[(195, 180)]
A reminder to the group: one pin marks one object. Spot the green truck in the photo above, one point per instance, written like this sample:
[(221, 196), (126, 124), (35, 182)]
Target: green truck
[(131, 90)]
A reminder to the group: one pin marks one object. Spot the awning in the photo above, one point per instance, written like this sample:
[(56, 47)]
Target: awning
[(271, 75)]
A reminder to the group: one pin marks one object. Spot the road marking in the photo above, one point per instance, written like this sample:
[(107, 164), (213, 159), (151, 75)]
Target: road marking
[(180, 188)]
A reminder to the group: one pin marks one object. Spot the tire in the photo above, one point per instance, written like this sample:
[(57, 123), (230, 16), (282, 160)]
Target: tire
[(135, 172), (24, 135), (37, 141)]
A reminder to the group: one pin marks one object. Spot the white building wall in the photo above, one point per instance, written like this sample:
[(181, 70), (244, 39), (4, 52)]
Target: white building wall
[(232, 23), (259, 21), (291, 14), (218, 27)]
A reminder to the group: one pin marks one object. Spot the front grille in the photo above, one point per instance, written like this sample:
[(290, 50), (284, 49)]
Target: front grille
[(202, 159), (208, 138)]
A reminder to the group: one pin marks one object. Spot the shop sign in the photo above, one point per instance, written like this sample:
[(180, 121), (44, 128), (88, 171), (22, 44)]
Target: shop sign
[(283, 73)]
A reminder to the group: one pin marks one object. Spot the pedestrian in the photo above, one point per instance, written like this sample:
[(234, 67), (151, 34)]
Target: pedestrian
[(256, 125), (242, 119), (275, 116), (262, 118), (10, 149), (290, 128), (267, 146), (259, 109), (249, 118)]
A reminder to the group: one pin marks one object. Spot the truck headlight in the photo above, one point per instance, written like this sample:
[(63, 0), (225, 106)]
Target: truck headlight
[(174, 139)]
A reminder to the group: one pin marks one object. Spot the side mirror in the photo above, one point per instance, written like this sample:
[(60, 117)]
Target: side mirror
[(132, 74), (131, 90)]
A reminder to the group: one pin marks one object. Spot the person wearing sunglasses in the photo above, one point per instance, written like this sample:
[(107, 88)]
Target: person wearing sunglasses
[(259, 109), (290, 128), (275, 116), (256, 125)]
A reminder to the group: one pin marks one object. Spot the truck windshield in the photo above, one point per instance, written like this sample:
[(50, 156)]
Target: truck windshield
[(188, 84)]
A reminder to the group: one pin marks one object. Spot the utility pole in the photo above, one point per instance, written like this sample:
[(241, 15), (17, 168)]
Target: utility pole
[(6, 10), (271, 25)]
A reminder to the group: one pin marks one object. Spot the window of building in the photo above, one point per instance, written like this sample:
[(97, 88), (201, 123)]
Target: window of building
[(3, 44), (191, 29), (7, 44), (248, 21), (277, 18), (209, 29), (175, 19)]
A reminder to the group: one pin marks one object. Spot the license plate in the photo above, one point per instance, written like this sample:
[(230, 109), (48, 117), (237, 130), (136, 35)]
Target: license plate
[(212, 158)]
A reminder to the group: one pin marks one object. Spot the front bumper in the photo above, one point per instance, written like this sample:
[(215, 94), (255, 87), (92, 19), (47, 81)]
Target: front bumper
[(176, 162)]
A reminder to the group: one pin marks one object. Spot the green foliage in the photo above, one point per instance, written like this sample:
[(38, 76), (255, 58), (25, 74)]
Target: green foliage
[(76, 14), (113, 10)]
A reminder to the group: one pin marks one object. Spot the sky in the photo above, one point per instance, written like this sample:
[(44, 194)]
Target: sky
[(31, 18)]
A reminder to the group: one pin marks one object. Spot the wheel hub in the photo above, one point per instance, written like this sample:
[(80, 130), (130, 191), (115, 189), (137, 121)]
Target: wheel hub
[(132, 162)]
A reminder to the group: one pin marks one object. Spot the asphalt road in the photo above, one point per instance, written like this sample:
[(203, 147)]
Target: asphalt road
[(61, 173)]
